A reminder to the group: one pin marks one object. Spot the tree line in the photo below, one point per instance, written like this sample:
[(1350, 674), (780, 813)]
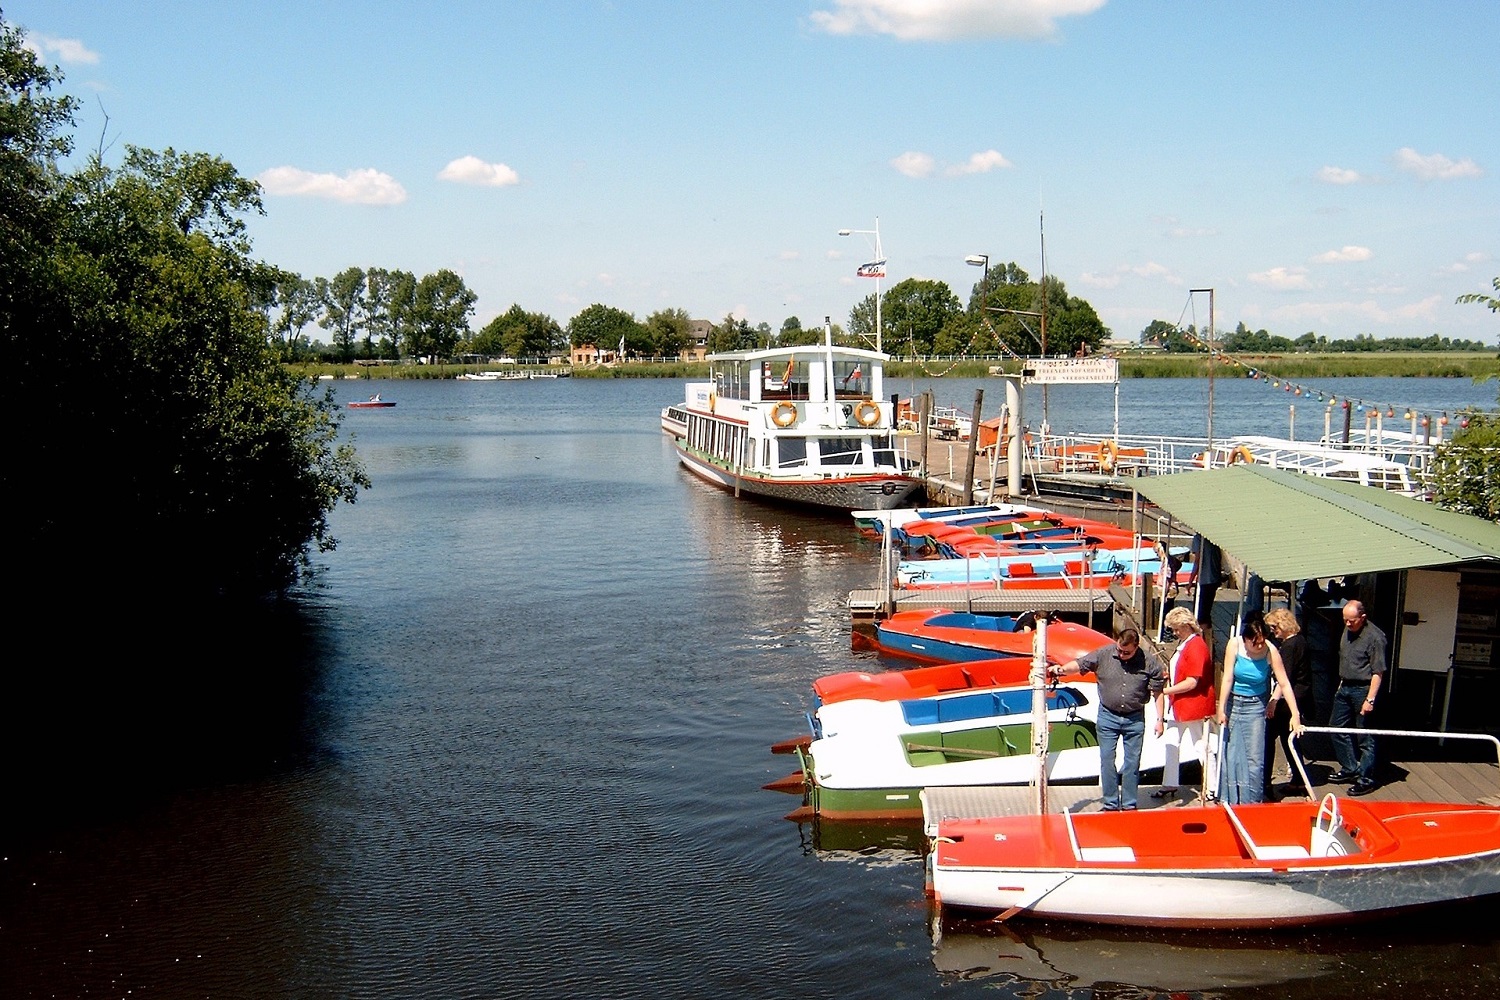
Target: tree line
[(1243, 340)]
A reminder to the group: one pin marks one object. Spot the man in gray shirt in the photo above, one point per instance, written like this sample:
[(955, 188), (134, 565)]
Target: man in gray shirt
[(1128, 677), (1361, 669)]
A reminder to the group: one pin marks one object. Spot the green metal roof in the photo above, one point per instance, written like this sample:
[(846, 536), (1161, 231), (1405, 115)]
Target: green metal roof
[(1291, 526)]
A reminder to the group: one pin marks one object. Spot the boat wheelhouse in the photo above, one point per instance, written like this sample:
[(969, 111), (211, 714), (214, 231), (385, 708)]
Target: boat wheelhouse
[(802, 424)]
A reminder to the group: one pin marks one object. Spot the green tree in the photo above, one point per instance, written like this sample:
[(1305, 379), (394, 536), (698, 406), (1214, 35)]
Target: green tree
[(668, 332), (731, 335), (299, 303), (441, 307), (376, 308), (914, 311), (1463, 475), (519, 334), (343, 298), (135, 322), (604, 328)]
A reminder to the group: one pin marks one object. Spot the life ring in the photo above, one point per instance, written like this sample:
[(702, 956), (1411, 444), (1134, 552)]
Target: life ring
[(784, 414), (867, 413), (1242, 454), (1109, 454), (1203, 461)]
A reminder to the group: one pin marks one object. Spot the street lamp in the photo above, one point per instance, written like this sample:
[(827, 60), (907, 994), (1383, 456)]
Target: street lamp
[(981, 260), (874, 269)]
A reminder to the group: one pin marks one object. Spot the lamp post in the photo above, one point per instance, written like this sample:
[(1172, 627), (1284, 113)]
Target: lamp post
[(981, 260), (874, 269)]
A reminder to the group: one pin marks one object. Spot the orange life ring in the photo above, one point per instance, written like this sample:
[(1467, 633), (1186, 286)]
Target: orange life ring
[(1109, 454), (784, 414), (867, 413), (1242, 454)]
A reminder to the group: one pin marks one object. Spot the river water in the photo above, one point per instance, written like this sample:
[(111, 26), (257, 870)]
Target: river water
[(510, 742)]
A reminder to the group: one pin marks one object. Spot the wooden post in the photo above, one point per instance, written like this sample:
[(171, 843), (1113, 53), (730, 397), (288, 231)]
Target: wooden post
[(973, 447)]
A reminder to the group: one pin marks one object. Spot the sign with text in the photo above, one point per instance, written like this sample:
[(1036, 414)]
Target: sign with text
[(1070, 371)]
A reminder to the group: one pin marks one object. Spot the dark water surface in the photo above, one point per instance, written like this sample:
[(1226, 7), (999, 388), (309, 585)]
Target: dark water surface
[(510, 743)]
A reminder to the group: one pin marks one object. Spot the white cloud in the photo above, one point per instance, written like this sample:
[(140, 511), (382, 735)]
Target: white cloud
[(1282, 279), (357, 187), (68, 51), (980, 163), (1346, 255), (1339, 175), (1332, 313), (1435, 166), (473, 170), (914, 164), (1150, 271), (949, 20), (790, 255)]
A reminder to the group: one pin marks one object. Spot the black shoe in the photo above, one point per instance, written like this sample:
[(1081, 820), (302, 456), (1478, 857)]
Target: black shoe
[(1364, 786), (1342, 777)]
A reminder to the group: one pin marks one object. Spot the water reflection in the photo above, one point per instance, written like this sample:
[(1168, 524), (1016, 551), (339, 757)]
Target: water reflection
[(1451, 951)]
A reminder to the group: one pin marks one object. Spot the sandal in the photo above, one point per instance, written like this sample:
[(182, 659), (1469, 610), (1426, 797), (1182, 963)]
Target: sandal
[(1165, 793)]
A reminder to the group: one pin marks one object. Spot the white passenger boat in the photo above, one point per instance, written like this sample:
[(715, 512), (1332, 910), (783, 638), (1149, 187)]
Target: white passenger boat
[(803, 424)]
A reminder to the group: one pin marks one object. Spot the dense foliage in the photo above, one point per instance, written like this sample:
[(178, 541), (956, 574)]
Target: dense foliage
[(157, 440)]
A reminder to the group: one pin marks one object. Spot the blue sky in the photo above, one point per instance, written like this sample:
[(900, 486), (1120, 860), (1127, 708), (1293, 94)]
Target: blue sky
[(1323, 166)]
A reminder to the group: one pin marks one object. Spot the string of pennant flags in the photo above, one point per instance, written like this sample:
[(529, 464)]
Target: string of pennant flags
[(1425, 421)]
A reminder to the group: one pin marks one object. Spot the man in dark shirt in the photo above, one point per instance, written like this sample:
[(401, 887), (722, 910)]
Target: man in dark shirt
[(1128, 677), (1361, 670)]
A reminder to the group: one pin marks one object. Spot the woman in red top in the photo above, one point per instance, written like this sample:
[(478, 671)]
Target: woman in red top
[(1190, 698)]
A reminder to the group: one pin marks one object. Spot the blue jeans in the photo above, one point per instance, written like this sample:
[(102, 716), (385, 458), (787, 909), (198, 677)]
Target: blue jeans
[(1118, 793), (1242, 766), (1347, 702)]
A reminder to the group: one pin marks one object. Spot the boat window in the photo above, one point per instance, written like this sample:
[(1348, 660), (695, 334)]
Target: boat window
[(791, 451), (784, 381), (840, 451), (851, 380)]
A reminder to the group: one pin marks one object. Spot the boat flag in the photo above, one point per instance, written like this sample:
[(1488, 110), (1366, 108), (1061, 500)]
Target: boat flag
[(621, 355), (853, 376), (786, 378), (874, 269)]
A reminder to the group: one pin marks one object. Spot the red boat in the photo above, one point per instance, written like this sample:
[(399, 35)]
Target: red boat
[(372, 402), (943, 636)]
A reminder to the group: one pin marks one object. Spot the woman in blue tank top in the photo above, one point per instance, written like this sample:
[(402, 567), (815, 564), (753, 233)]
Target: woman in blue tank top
[(1251, 665)]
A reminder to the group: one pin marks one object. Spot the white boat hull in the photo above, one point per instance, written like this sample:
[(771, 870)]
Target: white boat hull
[(856, 492)]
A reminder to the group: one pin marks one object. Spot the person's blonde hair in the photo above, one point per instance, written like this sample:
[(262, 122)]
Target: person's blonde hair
[(1284, 620), (1181, 615)]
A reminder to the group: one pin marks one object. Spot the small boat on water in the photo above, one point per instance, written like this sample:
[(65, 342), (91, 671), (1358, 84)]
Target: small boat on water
[(1284, 864), (1293, 863), (802, 425), (944, 636), (871, 759), (373, 402)]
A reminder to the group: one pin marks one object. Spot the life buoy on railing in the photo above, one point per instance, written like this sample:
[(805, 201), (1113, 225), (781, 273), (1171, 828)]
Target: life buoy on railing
[(784, 414), (1242, 454), (867, 413), (1109, 454)]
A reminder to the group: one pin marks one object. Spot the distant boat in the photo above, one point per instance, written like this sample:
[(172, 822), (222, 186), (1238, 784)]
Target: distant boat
[(803, 425), (371, 403)]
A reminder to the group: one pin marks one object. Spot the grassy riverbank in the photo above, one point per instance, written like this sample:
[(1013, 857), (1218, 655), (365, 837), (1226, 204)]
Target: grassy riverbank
[(1446, 364)]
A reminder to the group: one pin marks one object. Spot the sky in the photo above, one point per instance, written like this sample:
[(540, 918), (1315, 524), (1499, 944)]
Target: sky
[(1327, 167)]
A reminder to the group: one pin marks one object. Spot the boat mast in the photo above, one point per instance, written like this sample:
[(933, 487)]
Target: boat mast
[(1042, 232), (1198, 291), (828, 361)]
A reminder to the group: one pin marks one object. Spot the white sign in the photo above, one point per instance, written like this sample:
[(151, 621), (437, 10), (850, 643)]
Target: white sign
[(1066, 371)]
